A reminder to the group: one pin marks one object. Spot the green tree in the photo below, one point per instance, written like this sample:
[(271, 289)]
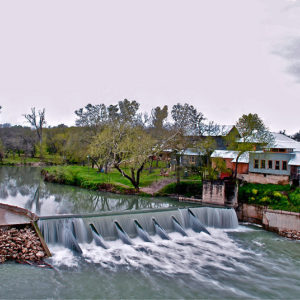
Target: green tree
[(37, 120), (92, 116), (124, 147), (206, 146), (296, 136), (158, 117), (253, 133), (187, 121)]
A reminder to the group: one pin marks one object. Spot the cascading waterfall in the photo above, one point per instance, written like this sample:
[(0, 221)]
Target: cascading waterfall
[(178, 227), (196, 225), (160, 231), (122, 234), (70, 231), (142, 233), (99, 240)]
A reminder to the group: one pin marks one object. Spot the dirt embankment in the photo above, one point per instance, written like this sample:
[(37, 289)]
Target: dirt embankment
[(155, 187)]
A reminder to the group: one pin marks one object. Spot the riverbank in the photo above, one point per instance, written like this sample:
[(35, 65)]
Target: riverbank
[(89, 178), (17, 161), (284, 223), (150, 184)]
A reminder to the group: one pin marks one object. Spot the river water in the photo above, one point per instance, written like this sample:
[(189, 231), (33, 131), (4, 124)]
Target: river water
[(24, 187), (244, 262)]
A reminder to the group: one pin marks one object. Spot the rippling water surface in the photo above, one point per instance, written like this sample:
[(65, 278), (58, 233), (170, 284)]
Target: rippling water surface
[(24, 187), (246, 262), (242, 263)]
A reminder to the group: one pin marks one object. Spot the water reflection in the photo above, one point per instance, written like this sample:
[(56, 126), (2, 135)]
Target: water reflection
[(23, 186)]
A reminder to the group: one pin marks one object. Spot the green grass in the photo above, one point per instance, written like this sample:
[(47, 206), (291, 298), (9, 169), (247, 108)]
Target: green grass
[(280, 197), (184, 188), (13, 160), (18, 160), (89, 178)]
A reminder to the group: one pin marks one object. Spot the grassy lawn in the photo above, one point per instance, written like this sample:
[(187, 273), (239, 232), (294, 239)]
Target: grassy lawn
[(87, 177), (280, 197)]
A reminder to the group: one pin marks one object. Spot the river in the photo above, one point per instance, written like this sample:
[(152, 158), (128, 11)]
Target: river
[(242, 262)]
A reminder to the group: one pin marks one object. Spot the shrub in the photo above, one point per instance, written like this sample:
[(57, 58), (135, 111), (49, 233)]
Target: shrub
[(185, 188), (275, 196)]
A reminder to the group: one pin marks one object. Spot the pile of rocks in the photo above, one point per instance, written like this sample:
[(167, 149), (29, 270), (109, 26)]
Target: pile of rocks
[(20, 245), (291, 234)]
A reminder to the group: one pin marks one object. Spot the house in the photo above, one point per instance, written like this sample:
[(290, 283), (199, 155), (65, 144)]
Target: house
[(217, 132), (278, 163), (294, 164), (229, 157), (190, 157), (195, 156)]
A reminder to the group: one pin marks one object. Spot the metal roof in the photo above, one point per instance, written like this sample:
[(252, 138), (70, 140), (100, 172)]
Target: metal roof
[(295, 160), (280, 141), (244, 158), (218, 130), (191, 152), (284, 142)]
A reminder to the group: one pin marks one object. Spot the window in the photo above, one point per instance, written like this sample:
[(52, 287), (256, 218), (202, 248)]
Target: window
[(277, 165), (255, 163), (263, 164), (270, 164), (284, 165)]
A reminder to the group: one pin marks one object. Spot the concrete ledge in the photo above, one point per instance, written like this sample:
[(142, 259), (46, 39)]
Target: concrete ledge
[(278, 221)]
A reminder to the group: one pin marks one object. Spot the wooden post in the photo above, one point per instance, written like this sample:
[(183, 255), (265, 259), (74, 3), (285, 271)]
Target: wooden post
[(38, 232)]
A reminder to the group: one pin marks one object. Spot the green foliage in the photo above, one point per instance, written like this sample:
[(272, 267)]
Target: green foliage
[(89, 178), (279, 197), (184, 188), (253, 132), (123, 146), (295, 197), (158, 117)]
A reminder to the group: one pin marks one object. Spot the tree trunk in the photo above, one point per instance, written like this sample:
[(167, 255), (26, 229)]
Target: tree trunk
[(177, 168), (236, 166), (131, 179), (139, 173), (150, 167)]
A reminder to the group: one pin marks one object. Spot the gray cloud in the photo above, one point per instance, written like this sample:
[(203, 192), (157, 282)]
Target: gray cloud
[(291, 52)]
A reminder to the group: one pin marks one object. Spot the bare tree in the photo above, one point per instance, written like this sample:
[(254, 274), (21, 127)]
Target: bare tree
[(37, 120)]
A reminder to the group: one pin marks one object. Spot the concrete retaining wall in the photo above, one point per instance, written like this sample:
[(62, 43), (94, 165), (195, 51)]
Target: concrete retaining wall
[(283, 222), (264, 178), (220, 192), (213, 192)]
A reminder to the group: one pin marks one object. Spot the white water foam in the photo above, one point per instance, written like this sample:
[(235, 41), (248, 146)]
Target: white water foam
[(178, 256)]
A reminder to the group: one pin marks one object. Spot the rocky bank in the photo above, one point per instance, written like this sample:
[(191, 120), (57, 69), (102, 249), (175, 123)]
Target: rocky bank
[(21, 244)]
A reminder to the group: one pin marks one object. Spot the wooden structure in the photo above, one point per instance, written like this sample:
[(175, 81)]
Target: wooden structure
[(14, 216)]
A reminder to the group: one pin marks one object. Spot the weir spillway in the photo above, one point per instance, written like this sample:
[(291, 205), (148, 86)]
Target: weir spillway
[(70, 230)]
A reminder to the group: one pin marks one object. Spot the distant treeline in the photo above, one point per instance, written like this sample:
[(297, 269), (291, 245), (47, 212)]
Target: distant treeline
[(118, 135)]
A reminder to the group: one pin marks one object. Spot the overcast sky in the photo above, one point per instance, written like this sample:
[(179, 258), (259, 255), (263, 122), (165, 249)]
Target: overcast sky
[(226, 57)]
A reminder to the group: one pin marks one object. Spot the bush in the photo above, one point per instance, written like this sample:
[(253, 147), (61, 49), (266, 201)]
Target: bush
[(275, 196), (295, 197), (185, 188)]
